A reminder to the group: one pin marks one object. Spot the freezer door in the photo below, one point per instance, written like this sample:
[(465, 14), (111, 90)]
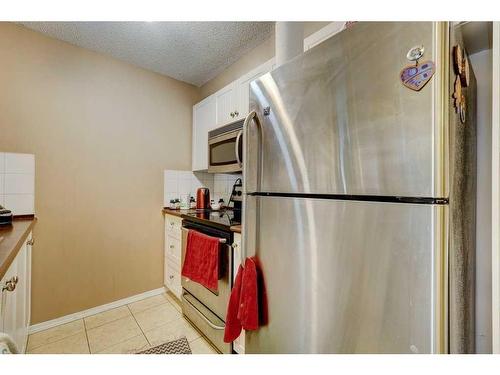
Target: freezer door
[(340, 121), (349, 277)]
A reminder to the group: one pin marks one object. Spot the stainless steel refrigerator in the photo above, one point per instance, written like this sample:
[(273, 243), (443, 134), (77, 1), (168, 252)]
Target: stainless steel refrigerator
[(359, 196)]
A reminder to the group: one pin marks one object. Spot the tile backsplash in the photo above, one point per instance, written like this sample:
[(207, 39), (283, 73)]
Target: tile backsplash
[(177, 183), (17, 182)]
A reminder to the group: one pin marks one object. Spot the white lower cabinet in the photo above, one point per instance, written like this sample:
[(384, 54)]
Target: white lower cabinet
[(239, 343), (172, 256), (15, 301)]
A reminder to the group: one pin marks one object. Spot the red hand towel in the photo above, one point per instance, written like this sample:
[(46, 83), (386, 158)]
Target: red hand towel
[(248, 312), (243, 308), (201, 262), (233, 325)]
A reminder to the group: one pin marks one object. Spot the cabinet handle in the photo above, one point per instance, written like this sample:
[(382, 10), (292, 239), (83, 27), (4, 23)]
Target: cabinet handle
[(234, 245), (171, 277), (30, 242), (236, 113), (9, 286), (232, 114), (171, 246)]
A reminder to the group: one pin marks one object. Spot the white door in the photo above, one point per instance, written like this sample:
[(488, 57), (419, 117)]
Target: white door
[(243, 88), (225, 99), (203, 120)]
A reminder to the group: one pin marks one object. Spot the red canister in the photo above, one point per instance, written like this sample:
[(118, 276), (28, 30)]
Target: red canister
[(202, 198)]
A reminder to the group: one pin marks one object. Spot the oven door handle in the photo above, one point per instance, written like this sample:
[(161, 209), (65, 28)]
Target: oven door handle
[(237, 148), (214, 326)]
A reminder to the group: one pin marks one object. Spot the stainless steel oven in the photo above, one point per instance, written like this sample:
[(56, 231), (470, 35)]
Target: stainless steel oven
[(225, 148), (206, 308)]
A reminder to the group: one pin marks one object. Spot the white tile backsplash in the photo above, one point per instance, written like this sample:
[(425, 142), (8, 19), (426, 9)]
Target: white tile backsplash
[(177, 183), (17, 182), (19, 163), (2, 162), (20, 204)]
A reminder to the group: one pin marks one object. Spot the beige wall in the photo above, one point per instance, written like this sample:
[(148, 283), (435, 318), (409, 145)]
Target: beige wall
[(102, 132), (259, 55)]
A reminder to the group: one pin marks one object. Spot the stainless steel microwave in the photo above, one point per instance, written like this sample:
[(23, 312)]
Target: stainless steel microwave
[(225, 148)]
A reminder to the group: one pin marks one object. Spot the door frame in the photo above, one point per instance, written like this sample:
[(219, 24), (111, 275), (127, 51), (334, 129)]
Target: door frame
[(495, 191)]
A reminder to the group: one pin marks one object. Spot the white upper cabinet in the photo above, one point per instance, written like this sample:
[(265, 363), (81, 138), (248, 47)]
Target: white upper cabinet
[(204, 119), (243, 88), (232, 102), (323, 34), (226, 102)]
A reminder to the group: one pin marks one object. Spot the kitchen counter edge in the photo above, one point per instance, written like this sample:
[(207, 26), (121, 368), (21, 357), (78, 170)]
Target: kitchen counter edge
[(13, 237)]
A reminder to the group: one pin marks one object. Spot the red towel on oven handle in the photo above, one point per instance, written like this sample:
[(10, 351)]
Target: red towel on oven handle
[(201, 261), (243, 308)]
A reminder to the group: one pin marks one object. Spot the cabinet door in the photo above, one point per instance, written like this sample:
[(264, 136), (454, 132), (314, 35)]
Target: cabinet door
[(29, 247), (243, 89), (20, 298), (203, 120), (9, 306), (226, 101), (239, 343)]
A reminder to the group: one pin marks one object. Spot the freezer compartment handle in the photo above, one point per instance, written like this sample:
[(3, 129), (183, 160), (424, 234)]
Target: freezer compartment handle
[(252, 117)]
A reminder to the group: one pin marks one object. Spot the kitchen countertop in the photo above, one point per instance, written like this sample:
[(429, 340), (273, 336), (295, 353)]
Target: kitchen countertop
[(226, 219), (179, 213), (12, 238), (236, 228)]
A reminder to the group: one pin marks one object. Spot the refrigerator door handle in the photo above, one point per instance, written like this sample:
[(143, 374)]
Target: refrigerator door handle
[(251, 118), (237, 147)]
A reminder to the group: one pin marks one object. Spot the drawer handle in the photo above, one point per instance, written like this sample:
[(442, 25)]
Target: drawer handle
[(171, 277), (220, 328), (172, 246), (30, 242)]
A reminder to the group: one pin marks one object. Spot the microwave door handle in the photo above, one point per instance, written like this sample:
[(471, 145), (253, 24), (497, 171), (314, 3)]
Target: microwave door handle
[(237, 148)]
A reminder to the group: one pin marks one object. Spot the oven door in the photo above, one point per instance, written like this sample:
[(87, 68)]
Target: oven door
[(218, 300), (225, 152)]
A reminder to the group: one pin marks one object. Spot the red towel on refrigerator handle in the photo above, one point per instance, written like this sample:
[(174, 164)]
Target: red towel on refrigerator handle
[(201, 261), (243, 308)]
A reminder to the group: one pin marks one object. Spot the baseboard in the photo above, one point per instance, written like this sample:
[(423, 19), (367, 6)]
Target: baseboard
[(94, 310)]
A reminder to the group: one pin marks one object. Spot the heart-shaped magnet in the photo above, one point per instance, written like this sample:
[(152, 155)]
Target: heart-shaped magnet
[(416, 76)]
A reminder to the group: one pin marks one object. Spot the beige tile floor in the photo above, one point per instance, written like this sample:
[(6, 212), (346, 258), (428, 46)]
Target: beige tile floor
[(126, 329)]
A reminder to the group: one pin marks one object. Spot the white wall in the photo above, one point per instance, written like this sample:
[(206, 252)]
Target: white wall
[(482, 66)]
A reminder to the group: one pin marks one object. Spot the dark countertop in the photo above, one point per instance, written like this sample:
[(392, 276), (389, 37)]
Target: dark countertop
[(224, 219), (179, 213), (236, 228), (12, 238)]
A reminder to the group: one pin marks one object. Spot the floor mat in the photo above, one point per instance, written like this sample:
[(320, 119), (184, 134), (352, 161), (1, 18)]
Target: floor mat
[(179, 346)]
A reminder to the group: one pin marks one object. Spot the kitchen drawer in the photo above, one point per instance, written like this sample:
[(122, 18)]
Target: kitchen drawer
[(173, 225), (174, 263), (173, 279), (173, 247)]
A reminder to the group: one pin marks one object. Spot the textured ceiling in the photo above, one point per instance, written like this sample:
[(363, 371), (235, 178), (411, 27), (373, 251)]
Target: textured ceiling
[(193, 52)]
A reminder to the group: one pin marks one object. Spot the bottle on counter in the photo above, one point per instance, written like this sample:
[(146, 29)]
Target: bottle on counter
[(172, 204)]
